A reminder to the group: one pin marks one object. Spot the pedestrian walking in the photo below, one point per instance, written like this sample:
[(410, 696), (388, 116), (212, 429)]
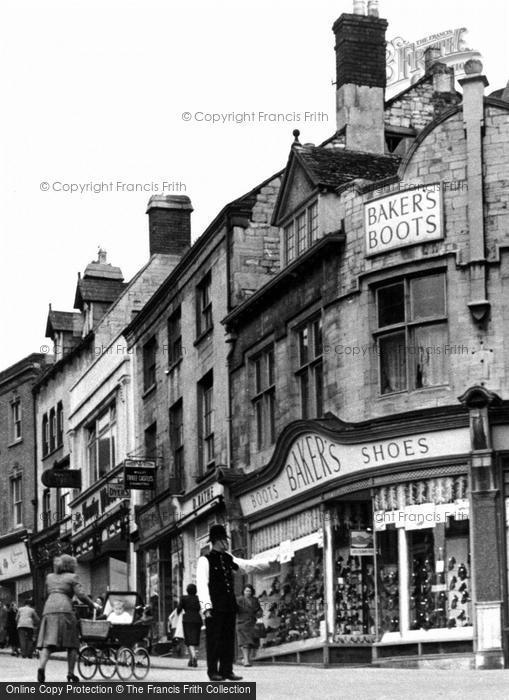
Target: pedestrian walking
[(249, 610), (12, 629), (59, 625), (28, 621), (214, 578), (192, 622)]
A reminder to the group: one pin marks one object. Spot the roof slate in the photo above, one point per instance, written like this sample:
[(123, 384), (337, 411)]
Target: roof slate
[(332, 168)]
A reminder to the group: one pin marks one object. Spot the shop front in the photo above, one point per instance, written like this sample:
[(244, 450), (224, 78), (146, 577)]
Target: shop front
[(100, 526), (158, 550), (16, 584), (374, 544)]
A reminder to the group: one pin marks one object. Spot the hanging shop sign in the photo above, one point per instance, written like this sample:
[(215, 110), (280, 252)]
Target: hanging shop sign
[(403, 219), (14, 561), (117, 490), (361, 543), (139, 474), (61, 478), (313, 461)]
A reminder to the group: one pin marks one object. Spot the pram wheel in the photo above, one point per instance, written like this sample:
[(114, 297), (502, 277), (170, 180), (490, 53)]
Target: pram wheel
[(141, 663), (125, 663), (87, 662), (107, 662)]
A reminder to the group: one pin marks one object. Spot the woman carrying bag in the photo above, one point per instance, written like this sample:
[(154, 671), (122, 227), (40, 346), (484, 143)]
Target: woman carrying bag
[(191, 622)]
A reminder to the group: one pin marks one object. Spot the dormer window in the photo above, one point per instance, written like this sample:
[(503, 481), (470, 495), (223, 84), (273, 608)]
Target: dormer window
[(301, 232)]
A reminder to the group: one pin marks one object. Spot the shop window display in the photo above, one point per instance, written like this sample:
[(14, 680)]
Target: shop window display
[(292, 597), (388, 581), (440, 594), (354, 580)]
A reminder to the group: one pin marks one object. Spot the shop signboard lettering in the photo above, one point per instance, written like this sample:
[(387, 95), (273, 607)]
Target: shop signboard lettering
[(200, 500), (313, 460), (402, 219), (139, 474), (14, 561), (61, 478)]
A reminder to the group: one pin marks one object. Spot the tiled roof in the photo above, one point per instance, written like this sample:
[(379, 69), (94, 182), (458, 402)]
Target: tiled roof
[(333, 167), (63, 320), (90, 289)]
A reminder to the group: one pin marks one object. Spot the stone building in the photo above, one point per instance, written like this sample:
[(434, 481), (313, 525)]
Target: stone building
[(84, 418), (369, 386), (180, 360), (17, 493)]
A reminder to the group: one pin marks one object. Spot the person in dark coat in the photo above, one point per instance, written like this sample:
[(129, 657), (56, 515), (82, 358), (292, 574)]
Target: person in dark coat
[(214, 578), (12, 629), (249, 610), (191, 622), (59, 625)]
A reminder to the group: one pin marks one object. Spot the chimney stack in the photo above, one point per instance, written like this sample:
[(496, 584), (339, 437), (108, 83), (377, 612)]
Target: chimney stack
[(431, 55), (361, 77), (169, 220)]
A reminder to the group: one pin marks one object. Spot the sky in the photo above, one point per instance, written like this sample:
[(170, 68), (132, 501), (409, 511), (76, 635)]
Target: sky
[(103, 95)]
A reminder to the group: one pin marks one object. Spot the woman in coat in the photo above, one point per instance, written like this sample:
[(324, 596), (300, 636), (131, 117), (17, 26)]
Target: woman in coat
[(59, 626), (191, 621), (249, 611)]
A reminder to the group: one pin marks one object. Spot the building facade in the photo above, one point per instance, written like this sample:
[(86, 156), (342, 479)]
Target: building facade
[(17, 493), (180, 356), (369, 378)]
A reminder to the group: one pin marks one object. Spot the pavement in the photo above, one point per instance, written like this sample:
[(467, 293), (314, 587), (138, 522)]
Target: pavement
[(285, 682)]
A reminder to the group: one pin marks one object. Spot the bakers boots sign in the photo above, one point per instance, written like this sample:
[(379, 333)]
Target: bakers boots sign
[(403, 219)]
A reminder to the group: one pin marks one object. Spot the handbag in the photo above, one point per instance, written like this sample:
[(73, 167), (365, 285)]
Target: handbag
[(260, 631)]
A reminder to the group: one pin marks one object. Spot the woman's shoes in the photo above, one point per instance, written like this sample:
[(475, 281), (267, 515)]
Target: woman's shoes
[(190, 662), (244, 663), (72, 678), (40, 675), (194, 663)]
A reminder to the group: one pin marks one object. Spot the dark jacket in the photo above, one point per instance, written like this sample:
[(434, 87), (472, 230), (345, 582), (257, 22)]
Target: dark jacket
[(221, 588), (191, 607)]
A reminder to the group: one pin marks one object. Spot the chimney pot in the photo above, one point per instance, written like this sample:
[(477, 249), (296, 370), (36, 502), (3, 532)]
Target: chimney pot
[(359, 7), (169, 218), (373, 8)]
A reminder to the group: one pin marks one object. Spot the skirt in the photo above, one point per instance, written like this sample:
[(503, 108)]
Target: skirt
[(192, 633), (58, 631), (246, 634)]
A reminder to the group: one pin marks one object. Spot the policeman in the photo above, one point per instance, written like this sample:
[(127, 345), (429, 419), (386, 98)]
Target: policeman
[(214, 580)]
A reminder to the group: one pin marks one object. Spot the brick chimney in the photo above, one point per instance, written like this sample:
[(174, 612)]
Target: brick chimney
[(169, 221), (360, 77)]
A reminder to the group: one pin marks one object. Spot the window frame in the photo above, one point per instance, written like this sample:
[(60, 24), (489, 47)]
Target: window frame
[(308, 368), (301, 231), (17, 500), (95, 434), (177, 439), (407, 328), (204, 319), (16, 420), (60, 424), (174, 334), (45, 435), (263, 396), (207, 453), (149, 363)]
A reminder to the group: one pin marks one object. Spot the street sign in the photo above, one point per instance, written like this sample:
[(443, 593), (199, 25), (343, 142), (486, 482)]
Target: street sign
[(61, 478), (139, 474)]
